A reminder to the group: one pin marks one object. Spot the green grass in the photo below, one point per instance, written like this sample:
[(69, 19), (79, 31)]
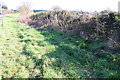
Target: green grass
[(29, 53)]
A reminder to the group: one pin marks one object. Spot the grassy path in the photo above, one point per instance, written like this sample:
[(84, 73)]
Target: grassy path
[(26, 52)]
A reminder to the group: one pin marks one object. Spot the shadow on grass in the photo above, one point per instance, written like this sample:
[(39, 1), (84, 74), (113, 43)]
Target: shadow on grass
[(71, 59)]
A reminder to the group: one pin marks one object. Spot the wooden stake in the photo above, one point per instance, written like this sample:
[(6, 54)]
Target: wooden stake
[(2, 16)]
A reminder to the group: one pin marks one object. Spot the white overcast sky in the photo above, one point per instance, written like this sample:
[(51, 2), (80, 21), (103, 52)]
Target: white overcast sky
[(85, 5)]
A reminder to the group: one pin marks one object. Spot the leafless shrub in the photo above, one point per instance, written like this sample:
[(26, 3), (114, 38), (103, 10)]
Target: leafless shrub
[(24, 11)]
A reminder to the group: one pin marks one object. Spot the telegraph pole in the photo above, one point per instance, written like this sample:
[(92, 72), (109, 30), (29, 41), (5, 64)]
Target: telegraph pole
[(119, 9), (2, 16)]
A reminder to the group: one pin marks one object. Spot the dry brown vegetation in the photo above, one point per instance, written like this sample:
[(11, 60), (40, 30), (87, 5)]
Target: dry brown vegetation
[(24, 12), (91, 27)]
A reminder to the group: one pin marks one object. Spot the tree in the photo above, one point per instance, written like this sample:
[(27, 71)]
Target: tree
[(56, 8), (4, 7), (25, 9)]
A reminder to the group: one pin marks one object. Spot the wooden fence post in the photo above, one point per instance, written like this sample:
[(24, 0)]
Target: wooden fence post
[(2, 16)]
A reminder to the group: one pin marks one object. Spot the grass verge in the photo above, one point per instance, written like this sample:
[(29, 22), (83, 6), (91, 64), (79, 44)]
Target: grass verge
[(29, 53)]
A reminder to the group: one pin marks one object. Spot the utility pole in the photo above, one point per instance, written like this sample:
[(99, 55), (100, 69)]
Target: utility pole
[(2, 16), (119, 9)]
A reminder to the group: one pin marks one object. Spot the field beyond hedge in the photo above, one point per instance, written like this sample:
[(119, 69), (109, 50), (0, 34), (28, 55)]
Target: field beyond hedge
[(26, 52)]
